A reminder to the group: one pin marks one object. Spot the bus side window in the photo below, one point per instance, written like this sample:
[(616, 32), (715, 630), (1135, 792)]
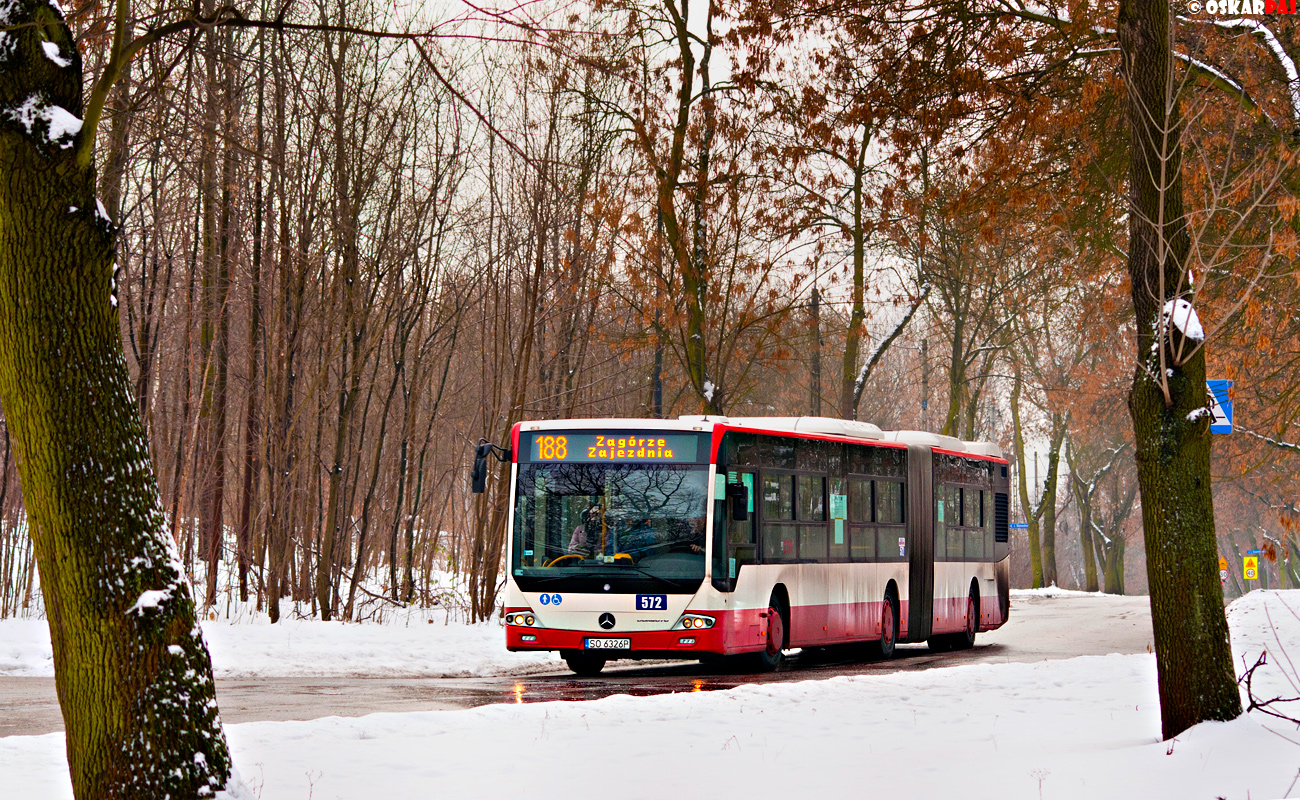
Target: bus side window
[(974, 500), (889, 502), (988, 523), (778, 498), (889, 512), (864, 543), (952, 524), (942, 519), (859, 500)]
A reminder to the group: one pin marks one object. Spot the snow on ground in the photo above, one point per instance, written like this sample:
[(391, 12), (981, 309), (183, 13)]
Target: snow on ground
[(1079, 728), (1055, 591), (421, 645)]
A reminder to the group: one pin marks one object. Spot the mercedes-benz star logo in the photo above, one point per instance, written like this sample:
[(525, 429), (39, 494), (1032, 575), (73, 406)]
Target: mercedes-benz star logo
[(607, 620)]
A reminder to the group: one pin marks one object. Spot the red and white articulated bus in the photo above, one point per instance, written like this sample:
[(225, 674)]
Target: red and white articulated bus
[(710, 537)]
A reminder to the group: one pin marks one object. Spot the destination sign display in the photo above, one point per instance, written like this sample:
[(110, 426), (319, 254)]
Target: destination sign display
[(614, 447)]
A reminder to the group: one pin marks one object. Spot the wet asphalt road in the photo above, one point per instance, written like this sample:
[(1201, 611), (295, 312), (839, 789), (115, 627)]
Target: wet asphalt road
[(1040, 628)]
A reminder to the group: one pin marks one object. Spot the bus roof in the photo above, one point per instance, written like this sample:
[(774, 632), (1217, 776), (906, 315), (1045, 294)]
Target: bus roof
[(828, 426)]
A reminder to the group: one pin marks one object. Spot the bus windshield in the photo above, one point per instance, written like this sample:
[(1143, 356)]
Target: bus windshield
[(610, 527)]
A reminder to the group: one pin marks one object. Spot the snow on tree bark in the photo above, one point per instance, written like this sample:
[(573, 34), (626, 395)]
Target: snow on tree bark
[(132, 672)]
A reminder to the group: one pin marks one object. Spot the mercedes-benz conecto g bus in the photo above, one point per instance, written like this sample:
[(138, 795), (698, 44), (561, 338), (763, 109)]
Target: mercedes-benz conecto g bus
[(708, 537)]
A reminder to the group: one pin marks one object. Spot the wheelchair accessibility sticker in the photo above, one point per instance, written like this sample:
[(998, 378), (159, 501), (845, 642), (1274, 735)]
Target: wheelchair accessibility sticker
[(550, 599)]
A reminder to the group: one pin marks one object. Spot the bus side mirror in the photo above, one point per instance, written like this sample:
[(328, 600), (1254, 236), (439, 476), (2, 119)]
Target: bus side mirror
[(738, 496), (478, 475)]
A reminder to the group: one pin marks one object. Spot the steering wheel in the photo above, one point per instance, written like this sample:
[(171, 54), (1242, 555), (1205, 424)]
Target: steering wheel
[(565, 557)]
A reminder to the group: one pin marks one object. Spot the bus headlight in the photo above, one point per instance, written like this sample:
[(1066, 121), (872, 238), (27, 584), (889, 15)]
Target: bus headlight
[(521, 618), (694, 621)]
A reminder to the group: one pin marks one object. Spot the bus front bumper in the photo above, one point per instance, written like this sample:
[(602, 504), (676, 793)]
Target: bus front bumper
[(643, 644)]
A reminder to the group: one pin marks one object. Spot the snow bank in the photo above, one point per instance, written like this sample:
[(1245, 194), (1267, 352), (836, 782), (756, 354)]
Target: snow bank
[(25, 648), (1269, 623), (427, 646), (1054, 591), (311, 648)]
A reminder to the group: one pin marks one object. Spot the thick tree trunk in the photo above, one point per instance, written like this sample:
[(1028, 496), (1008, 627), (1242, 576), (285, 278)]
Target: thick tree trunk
[(849, 389), (215, 518), (1047, 505), (956, 380), (1115, 566), (815, 366), (1193, 655), (252, 428), (1022, 484), (351, 338), (1084, 501), (133, 676)]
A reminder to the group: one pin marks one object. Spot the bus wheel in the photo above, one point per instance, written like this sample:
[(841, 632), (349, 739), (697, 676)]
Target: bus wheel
[(769, 658), (583, 664), (966, 639), (888, 627)]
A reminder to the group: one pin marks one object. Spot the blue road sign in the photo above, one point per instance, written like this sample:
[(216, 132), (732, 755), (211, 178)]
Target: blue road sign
[(1254, 552), (1020, 526), (1220, 406)]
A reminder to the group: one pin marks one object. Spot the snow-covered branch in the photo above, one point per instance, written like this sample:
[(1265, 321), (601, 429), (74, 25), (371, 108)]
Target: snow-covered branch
[(1275, 442), (867, 368), (1283, 59)]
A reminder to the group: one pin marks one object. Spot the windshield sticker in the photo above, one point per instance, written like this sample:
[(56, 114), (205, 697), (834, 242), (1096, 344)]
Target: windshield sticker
[(902, 546), (940, 519)]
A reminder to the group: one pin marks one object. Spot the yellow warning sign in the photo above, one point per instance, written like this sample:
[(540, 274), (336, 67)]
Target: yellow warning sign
[(1251, 567), (1223, 563)]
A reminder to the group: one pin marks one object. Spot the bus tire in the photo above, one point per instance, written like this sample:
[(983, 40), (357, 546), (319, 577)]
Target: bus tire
[(583, 664), (966, 639), (778, 621), (888, 642)]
